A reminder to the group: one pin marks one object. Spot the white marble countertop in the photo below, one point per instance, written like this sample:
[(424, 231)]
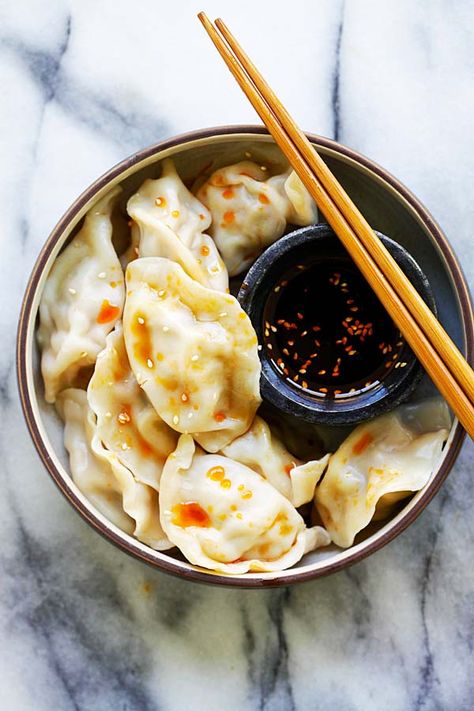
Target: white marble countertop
[(83, 626)]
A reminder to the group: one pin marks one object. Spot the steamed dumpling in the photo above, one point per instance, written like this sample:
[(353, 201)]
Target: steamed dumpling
[(193, 351), (127, 424), (260, 450), (168, 221), (224, 516), (108, 485), (381, 462), (82, 300), (250, 212)]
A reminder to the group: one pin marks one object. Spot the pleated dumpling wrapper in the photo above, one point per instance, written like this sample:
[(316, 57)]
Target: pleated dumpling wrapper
[(127, 423), (168, 221), (260, 450), (381, 462), (193, 351), (226, 517), (104, 481), (82, 300), (250, 211)]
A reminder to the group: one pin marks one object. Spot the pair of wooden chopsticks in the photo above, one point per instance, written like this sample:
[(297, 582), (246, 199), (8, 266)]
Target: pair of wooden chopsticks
[(431, 344)]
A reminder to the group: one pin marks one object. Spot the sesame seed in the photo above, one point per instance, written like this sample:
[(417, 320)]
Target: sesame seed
[(101, 275), (84, 354), (195, 357), (166, 328), (125, 446), (141, 320), (223, 314), (149, 363), (175, 419), (161, 292), (72, 291)]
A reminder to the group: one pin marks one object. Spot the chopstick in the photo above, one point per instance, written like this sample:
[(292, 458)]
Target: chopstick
[(419, 309), (431, 344)]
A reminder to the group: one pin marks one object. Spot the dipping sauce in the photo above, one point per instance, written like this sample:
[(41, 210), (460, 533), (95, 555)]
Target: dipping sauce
[(325, 330)]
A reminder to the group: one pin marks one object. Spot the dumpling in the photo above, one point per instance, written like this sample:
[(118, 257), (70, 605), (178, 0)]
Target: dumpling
[(168, 221), (379, 463), (224, 516), (82, 300), (193, 351), (108, 485), (92, 476), (266, 454), (127, 424), (250, 212)]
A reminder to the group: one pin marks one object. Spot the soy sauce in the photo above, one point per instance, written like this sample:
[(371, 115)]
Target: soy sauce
[(326, 332)]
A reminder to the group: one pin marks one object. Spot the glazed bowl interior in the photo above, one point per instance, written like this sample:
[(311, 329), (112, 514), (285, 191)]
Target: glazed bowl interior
[(389, 208)]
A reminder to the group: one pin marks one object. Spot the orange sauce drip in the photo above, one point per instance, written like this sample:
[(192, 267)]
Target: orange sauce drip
[(226, 483), (201, 216), (289, 467), (190, 514), (175, 213), (108, 312), (362, 443), (229, 217), (216, 473), (205, 251), (219, 416), (160, 202), (228, 193), (217, 180), (142, 347), (145, 448), (263, 199)]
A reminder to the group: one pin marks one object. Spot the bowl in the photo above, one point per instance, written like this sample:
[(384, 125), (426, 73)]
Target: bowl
[(262, 288), (387, 205)]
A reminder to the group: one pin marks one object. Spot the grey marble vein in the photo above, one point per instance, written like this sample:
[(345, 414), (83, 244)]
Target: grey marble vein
[(84, 627)]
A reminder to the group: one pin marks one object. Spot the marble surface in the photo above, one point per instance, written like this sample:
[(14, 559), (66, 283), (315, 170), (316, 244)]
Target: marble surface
[(83, 626)]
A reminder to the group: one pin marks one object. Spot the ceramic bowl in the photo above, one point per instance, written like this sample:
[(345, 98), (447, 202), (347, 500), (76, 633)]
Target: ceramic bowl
[(320, 243), (388, 206)]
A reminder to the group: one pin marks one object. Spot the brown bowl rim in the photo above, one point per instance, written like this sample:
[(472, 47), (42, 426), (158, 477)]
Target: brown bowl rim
[(166, 566)]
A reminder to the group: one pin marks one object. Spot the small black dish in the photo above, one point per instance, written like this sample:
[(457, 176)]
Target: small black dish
[(360, 366)]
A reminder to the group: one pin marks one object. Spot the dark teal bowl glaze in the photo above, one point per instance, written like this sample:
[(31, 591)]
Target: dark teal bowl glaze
[(297, 248)]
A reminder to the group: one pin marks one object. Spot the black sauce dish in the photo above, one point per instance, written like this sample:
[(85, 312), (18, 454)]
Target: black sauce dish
[(359, 368)]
